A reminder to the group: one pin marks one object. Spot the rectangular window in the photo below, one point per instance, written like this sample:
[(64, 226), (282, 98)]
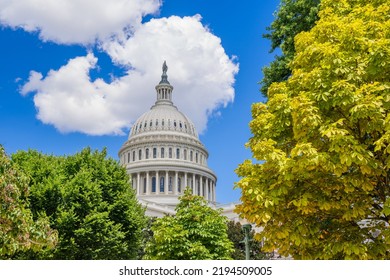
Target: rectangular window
[(147, 153), (154, 152), (162, 152), (162, 184), (170, 184), (154, 184)]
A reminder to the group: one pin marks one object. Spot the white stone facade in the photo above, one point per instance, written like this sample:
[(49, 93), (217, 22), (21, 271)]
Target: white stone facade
[(163, 155)]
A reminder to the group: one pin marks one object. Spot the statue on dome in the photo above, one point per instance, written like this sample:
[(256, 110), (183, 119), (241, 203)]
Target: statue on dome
[(164, 76), (165, 68)]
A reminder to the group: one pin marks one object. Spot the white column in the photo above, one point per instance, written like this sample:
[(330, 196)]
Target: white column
[(211, 190), (138, 184), (166, 183), (176, 186), (214, 191), (201, 185), (207, 189), (193, 184), (147, 183), (157, 183)]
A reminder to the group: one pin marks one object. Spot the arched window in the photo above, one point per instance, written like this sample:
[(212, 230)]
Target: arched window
[(154, 184), (185, 154), (140, 154), (162, 122), (191, 156), (196, 157), (162, 183), (128, 157), (147, 153), (174, 123), (162, 152), (177, 153), (179, 184), (170, 184), (170, 152), (154, 152), (133, 155), (156, 122)]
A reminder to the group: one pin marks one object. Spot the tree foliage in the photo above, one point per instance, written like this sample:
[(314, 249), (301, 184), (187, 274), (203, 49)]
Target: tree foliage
[(196, 232), (236, 236), (321, 184), (89, 201), (292, 17), (18, 231)]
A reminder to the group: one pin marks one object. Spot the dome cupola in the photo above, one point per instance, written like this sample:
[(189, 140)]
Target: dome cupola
[(164, 89)]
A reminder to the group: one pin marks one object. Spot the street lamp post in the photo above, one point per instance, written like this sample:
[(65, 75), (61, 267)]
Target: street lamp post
[(247, 229)]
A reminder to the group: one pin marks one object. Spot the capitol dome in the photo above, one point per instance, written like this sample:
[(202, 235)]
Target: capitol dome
[(163, 118), (163, 155)]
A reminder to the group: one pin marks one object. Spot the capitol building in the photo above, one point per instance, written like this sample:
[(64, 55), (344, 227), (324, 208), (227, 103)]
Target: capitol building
[(163, 155)]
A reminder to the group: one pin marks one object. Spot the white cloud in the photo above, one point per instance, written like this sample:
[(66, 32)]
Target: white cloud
[(199, 69), (76, 21), (68, 99)]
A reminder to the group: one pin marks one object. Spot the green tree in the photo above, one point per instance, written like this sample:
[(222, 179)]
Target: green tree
[(89, 201), (196, 232), (236, 236), (292, 17), (147, 235), (320, 182), (18, 231)]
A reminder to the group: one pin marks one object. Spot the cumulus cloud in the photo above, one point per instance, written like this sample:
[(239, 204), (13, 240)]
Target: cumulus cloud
[(67, 99), (199, 69), (76, 21)]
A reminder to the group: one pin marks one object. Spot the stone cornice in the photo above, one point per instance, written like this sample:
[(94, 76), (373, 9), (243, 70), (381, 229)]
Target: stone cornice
[(148, 142), (178, 166)]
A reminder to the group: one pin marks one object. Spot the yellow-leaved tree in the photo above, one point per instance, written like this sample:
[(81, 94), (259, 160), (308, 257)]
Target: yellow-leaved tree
[(319, 183)]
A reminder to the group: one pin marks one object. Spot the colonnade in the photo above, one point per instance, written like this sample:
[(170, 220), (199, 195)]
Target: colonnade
[(173, 182)]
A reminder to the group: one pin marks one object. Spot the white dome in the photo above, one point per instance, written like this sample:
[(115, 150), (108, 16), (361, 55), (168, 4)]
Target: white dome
[(163, 118)]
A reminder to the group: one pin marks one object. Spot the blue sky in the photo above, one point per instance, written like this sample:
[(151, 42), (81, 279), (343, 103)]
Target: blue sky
[(79, 75)]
